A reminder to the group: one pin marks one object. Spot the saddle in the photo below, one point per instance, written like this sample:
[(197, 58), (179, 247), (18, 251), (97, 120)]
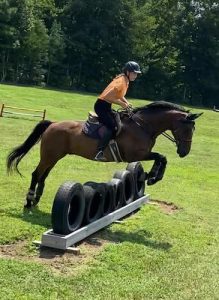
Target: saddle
[(94, 129)]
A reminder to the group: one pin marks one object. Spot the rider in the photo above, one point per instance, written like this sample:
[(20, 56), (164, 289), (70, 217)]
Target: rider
[(114, 93)]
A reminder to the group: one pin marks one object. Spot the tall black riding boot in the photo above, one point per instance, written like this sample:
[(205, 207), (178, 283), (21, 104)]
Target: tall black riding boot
[(103, 143)]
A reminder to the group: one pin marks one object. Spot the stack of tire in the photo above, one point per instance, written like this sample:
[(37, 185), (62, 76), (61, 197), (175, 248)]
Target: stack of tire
[(76, 205)]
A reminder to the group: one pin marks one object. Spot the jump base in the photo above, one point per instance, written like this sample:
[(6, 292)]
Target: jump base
[(63, 242)]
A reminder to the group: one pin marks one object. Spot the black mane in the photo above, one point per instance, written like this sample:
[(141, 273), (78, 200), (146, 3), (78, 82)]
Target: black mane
[(158, 106)]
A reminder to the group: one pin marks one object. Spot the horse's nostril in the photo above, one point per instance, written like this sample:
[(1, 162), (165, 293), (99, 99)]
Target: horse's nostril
[(182, 153)]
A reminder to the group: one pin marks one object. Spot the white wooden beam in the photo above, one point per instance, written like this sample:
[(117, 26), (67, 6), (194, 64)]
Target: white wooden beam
[(53, 240)]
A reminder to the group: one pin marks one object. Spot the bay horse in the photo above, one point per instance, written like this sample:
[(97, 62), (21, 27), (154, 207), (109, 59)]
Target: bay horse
[(140, 128)]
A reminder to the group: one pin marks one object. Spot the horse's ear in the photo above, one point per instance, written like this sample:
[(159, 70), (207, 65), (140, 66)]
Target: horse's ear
[(192, 117)]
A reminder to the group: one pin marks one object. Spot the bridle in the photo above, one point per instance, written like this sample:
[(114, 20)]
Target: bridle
[(169, 137), (165, 134), (175, 141)]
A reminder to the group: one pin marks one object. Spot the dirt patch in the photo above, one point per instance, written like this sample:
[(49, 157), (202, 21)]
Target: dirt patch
[(58, 260), (167, 207), (66, 262)]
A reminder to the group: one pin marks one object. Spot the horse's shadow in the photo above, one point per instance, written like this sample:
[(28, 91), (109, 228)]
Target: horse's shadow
[(140, 236), (35, 217)]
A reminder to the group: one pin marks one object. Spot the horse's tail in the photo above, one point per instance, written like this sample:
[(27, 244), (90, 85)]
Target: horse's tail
[(19, 152)]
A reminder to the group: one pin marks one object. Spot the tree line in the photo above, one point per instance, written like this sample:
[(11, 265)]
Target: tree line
[(82, 44)]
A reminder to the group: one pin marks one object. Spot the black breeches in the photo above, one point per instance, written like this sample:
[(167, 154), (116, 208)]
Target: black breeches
[(105, 114)]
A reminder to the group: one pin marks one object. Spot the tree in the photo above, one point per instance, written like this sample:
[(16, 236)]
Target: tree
[(8, 35), (97, 39), (153, 37), (198, 44), (56, 55), (82, 44), (35, 54)]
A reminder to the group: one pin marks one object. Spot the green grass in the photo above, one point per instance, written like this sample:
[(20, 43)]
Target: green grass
[(153, 255)]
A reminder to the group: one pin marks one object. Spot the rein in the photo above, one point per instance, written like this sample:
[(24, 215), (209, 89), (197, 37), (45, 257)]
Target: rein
[(165, 134), (169, 137)]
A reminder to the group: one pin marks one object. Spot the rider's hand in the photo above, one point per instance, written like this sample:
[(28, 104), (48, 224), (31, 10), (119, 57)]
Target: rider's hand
[(130, 105), (124, 105)]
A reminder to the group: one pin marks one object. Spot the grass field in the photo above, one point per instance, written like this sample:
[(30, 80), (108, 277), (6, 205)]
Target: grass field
[(154, 254)]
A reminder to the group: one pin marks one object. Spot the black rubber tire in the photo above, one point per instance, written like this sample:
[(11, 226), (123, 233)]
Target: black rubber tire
[(109, 202), (128, 183), (94, 201), (68, 208), (118, 191), (108, 197), (139, 178)]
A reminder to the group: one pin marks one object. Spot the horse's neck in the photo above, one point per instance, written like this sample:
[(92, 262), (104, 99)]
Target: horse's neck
[(161, 121)]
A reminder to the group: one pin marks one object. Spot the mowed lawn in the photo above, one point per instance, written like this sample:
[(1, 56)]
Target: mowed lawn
[(154, 254)]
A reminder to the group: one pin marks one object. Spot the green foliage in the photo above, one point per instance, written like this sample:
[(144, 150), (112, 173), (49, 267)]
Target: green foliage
[(35, 51), (8, 34), (82, 44), (56, 54), (97, 39), (156, 49), (198, 42)]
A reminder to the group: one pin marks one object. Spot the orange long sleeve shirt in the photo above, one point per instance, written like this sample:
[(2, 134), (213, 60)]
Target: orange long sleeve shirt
[(116, 89)]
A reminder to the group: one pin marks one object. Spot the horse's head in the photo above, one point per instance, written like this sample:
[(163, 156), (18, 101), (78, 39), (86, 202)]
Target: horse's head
[(183, 131)]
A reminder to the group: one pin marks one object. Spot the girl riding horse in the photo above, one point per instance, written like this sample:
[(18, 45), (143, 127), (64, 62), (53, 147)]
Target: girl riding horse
[(114, 93)]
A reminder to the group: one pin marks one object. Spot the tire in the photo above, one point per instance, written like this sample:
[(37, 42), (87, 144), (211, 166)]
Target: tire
[(68, 208), (109, 196), (94, 201), (109, 202), (128, 183), (139, 178), (118, 191)]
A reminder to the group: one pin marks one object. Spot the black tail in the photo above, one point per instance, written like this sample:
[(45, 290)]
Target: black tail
[(19, 152)]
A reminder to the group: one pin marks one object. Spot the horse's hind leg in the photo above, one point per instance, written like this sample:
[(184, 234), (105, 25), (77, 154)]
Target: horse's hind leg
[(38, 179), (41, 185), (52, 149), (30, 197)]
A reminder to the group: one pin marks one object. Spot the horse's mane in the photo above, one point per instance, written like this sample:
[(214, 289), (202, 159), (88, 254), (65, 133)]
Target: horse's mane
[(158, 106)]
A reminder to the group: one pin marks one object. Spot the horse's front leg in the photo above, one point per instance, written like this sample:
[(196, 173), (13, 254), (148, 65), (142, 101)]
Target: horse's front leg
[(161, 171), (158, 169)]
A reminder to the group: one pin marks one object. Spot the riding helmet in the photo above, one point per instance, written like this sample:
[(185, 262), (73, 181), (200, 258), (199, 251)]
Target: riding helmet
[(132, 66)]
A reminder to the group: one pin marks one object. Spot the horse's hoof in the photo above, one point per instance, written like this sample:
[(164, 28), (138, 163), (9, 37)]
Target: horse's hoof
[(27, 203), (27, 210), (35, 202), (151, 181)]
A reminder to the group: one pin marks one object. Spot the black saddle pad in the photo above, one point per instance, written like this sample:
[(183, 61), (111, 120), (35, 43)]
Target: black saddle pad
[(94, 130)]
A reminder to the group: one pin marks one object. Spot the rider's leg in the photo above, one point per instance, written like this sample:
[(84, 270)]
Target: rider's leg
[(103, 110), (103, 143)]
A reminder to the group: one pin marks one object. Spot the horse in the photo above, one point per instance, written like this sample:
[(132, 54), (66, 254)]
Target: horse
[(137, 137)]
